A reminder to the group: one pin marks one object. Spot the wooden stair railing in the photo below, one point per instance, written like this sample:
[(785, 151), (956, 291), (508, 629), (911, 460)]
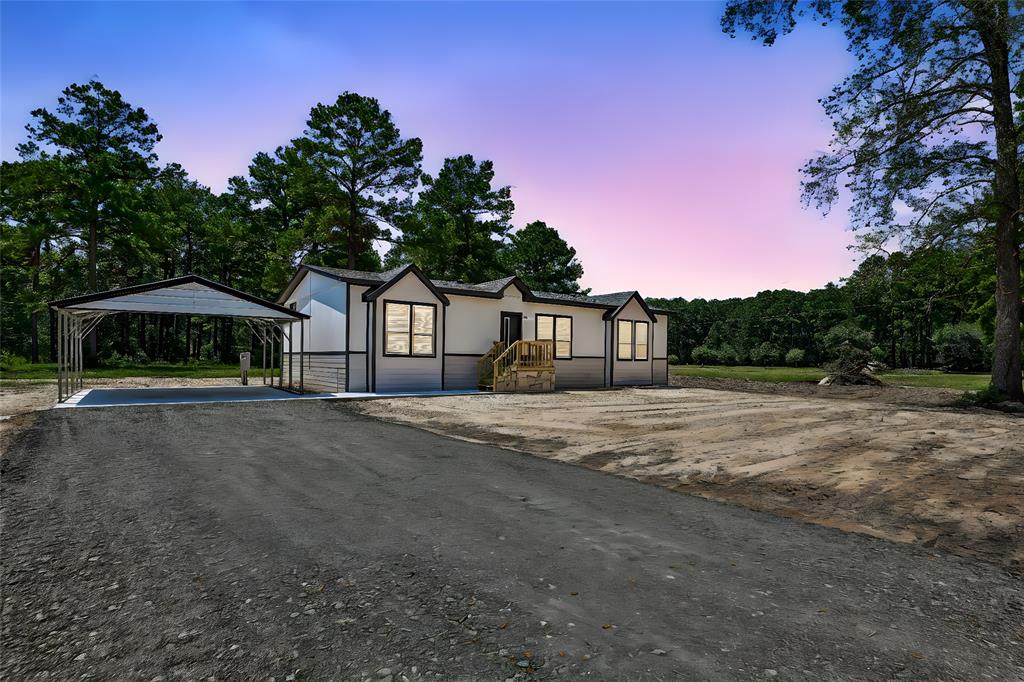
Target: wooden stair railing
[(485, 367), (524, 356), (499, 362)]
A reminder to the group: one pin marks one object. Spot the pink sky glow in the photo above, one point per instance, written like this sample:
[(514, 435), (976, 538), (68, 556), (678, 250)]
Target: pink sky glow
[(665, 152)]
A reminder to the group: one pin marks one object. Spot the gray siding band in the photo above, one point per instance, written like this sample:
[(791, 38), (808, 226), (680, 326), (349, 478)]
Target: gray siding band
[(321, 371)]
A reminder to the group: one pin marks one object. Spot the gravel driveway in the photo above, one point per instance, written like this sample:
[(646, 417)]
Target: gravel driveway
[(300, 541)]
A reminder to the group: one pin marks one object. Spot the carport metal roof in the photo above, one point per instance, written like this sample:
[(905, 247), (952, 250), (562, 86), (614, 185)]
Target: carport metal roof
[(189, 295)]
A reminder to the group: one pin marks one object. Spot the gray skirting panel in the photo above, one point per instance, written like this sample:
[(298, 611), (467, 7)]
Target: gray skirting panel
[(321, 371)]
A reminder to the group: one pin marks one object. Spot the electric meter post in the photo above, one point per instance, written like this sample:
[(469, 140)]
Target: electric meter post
[(243, 364)]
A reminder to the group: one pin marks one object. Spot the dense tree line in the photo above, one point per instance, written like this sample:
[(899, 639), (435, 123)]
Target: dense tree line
[(88, 207), (927, 308), (928, 135)]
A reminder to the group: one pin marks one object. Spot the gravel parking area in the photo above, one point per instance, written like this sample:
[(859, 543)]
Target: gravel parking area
[(301, 540)]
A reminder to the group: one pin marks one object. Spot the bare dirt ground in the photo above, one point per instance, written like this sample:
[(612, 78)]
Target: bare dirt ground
[(893, 395), (940, 477)]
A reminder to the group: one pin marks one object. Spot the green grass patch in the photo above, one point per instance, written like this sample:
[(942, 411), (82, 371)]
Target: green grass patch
[(936, 379), (777, 374), (48, 371), (918, 378)]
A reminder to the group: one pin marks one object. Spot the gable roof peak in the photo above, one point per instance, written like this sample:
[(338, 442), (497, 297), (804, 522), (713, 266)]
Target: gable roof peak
[(395, 275), (630, 296)]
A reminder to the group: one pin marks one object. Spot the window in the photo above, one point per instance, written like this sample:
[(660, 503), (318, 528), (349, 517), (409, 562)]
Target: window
[(632, 342), (557, 328), (408, 329), (625, 344), (639, 340)]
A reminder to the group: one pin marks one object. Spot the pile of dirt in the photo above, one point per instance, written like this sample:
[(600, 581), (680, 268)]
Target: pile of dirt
[(945, 478)]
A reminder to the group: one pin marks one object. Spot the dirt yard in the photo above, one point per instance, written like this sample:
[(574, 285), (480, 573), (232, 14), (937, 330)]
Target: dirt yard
[(944, 478)]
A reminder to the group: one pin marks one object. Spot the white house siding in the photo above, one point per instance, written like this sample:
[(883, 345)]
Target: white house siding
[(660, 353), (473, 325), (324, 364), (407, 373), (357, 321), (631, 372), (660, 344), (357, 333)]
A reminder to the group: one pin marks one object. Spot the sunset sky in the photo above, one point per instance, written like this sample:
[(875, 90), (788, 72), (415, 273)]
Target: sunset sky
[(664, 151)]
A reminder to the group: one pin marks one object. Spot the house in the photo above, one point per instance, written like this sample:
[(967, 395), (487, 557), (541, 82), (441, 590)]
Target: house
[(400, 331)]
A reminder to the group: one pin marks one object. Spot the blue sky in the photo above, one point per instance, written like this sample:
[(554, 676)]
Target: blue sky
[(665, 151)]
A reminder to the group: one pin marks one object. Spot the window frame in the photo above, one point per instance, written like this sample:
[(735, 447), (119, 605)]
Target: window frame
[(647, 341), (618, 342), (554, 333), (632, 342), (410, 334)]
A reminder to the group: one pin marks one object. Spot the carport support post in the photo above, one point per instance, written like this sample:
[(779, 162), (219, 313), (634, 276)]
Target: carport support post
[(81, 357), (65, 360), (78, 354), (280, 378), (75, 348), (291, 355), (72, 355), (60, 356), (302, 350)]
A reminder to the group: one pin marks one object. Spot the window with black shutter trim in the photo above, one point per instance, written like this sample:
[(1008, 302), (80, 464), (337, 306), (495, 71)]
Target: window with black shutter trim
[(557, 328), (408, 329)]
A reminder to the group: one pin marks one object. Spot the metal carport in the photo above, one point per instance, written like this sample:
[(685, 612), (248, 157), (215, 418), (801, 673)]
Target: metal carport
[(188, 295)]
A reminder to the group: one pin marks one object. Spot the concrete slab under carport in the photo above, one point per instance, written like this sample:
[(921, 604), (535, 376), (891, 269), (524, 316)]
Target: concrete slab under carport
[(185, 395)]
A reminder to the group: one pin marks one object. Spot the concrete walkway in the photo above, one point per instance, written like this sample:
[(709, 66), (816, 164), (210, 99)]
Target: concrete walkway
[(113, 397)]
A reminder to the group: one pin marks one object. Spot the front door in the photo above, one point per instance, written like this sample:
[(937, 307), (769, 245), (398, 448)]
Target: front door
[(511, 328)]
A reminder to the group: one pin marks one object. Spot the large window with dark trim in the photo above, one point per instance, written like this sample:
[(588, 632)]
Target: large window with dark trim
[(625, 341), (639, 340), (408, 329), (557, 328), (632, 341)]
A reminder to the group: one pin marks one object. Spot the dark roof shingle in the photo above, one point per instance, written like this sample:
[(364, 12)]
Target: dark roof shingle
[(610, 301)]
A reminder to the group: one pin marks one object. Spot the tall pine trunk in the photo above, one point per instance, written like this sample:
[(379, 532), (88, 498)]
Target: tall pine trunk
[(93, 237), (142, 332), (53, 337), (35, 338), (1006, 354), (352, 238), (36, 261)]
